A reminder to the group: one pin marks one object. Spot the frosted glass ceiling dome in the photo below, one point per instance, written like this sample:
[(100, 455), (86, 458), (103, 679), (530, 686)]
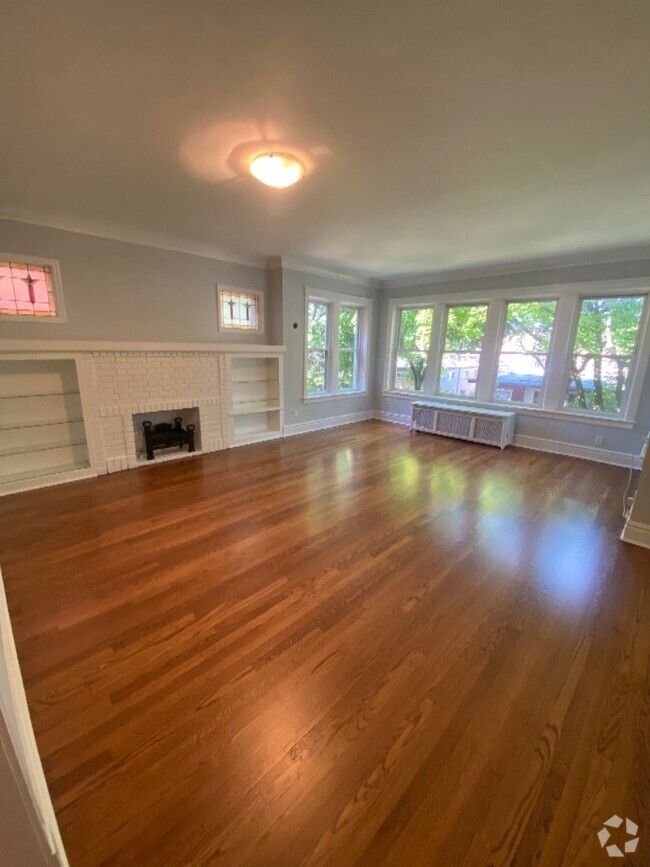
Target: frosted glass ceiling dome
[(277, 170)]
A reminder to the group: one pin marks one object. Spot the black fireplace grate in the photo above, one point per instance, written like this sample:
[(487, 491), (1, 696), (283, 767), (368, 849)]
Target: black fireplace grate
[(166, 435)]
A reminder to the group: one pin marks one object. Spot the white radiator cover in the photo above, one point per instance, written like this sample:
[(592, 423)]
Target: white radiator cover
[(489, 427)]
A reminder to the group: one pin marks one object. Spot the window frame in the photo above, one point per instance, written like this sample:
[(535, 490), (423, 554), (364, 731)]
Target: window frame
[(629, 405), (443, 339), (427, 375), (355, 350), (334, 301), (327, 349), (518, 404), (237, 329), (568, 299), (57, 291)]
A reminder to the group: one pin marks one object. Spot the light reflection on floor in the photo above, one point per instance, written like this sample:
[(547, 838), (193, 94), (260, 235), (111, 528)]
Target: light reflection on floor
[(344, 465), (563, 555), (406, 476), (569, 553), (499, 521)]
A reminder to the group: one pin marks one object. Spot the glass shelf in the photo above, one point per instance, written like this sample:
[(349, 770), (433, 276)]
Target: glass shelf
[(250, 407), (40, 394), (41, 447), (39, 474), (255, 379), (43, 423)]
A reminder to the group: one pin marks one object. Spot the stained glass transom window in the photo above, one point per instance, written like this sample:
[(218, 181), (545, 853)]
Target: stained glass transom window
[(26, 290), (239, 310)]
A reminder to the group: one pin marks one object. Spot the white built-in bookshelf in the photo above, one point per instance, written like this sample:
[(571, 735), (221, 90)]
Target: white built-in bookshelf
[(255, 384), (42, 430)]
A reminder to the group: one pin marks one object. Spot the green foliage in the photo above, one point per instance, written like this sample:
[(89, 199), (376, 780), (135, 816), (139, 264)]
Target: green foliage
[(348, 326), (529, 326), (605, 341), (348, 335), (317, 343), (414, 340), (317, 325), (465, 328), (346, 369)]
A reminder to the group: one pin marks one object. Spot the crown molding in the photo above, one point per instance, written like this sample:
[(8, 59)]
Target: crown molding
[(275, 262), (143, 238), (138, 237), (634, 253)]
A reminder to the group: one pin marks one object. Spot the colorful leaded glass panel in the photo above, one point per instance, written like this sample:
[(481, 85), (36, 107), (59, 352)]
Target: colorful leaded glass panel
[(26, 290), (239, 310)]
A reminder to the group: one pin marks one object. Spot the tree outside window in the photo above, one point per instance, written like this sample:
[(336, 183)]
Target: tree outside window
[(413, 348), (462, 349), (524, 351), (348, 348), (608, 330), (317, 346)]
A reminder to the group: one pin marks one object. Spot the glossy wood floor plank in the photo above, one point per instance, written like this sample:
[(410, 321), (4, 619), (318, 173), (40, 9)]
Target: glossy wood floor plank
[(357, 647)]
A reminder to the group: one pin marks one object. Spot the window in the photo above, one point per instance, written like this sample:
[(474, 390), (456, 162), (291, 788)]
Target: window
[(605, 342), (524, 351), (462, 349), (336, 344), (317, 347), (29, 290), (240, 310), (348, 348), (555, 349), (413, 348)]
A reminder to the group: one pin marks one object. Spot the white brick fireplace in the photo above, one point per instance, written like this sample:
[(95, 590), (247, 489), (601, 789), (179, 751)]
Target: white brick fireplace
[(140, 382), (117, 382)]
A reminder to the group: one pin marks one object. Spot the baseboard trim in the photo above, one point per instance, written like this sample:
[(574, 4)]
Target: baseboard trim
[(636, 534), (392, 417), (555, 447), (588, 453), (45, 481), (324, 423)]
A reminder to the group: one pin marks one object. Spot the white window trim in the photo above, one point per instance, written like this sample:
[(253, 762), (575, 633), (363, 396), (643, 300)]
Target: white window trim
[(336, 300), (481, 376), (488, 393), (569, 298), (57, 291), (235, 329)]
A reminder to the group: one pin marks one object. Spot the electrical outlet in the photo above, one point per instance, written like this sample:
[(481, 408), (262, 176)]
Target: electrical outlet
[(600, 441)]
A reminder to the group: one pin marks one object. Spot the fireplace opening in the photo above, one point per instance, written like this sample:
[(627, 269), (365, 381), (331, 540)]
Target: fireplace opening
[(166, 437)]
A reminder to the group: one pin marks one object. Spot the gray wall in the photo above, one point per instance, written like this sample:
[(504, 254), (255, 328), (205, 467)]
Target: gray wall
[(614, 439), (119, 291), (293, 296), (641, 510)]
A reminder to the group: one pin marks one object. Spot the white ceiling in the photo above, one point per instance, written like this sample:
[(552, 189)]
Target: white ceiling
[(440, 134)]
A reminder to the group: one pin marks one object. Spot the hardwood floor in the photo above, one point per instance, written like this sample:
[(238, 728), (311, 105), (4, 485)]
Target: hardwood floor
[(356, 647)]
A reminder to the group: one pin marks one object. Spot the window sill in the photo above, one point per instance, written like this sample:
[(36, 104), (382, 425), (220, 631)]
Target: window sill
[(560, 415), (255, 331), (51, 320), (317, 398)]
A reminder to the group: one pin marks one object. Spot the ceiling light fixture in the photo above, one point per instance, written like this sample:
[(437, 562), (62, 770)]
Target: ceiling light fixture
[(277, 170)]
